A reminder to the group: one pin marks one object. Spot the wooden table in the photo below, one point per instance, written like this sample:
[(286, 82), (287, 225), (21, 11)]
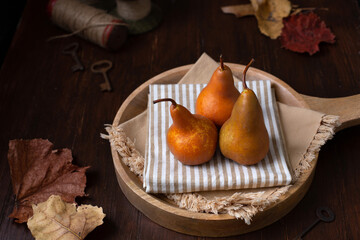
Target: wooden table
[(40, 97)]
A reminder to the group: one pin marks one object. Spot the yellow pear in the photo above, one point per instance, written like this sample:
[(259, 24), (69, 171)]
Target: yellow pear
[(243, 137)]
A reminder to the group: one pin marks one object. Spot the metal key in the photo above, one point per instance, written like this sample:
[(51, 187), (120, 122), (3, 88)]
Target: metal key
[(71, 49), (324, 214), (103, 66)]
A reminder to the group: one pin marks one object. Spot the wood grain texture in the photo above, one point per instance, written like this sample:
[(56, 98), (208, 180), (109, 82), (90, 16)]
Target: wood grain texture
[(41, 97), (348, 108)]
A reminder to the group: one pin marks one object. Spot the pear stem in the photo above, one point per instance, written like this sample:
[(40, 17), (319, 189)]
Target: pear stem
[(221, 63), (244, 73), (165, 99)]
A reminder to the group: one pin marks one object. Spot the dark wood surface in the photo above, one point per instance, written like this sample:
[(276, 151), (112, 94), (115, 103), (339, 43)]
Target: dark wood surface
[(40, 97)]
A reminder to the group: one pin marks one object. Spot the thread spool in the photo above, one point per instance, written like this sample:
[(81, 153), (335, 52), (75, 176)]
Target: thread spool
[(140, 15), (99, 27), (133, 10)]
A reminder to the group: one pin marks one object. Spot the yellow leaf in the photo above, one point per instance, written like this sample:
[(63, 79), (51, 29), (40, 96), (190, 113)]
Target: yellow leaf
[(269, 14), (56, 219), (241, 10)]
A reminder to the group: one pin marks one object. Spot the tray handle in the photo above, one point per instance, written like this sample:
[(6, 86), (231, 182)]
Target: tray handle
[(348, 108)]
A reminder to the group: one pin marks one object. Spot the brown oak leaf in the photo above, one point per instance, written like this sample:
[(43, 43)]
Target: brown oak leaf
[(37, 172), (303, 33), (55, 219)]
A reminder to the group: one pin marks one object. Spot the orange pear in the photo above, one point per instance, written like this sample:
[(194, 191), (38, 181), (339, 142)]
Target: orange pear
[(243, 137), (192, 138), (217, 99)]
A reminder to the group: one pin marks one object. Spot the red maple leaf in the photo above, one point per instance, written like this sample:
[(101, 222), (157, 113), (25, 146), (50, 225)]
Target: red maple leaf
[(303, 33), (37, 172)]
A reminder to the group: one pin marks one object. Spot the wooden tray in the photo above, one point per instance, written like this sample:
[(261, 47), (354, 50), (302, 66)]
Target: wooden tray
[(158, 209)]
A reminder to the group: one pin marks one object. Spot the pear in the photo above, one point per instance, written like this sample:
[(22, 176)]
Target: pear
[(243, 137), (217, 99), (192, 138)]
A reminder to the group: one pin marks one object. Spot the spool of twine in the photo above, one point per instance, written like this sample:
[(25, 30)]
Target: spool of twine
[(88, 22), (133, 10)]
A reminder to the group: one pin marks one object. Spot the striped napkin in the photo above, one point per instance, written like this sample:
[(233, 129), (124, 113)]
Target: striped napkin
[(164, 174)]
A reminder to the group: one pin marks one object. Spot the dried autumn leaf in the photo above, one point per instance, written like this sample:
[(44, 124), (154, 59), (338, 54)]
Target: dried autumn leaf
[(241, 10), (304, 32), (37, 172), (55, 219), (270, 14)]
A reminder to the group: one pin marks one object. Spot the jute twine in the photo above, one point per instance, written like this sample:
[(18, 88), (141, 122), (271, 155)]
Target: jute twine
[(133, 10), (88, 22)]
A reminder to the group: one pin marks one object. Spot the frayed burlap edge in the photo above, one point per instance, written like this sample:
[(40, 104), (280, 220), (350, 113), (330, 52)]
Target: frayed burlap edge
[(325, 132), (126, 149), (240, 205)]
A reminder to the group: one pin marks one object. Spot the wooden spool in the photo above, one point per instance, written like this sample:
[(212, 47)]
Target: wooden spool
[(167, 214)]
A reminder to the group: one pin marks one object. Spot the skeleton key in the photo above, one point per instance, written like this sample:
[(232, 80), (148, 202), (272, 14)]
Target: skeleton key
[(324, 214), (71, 49), (102, 67)]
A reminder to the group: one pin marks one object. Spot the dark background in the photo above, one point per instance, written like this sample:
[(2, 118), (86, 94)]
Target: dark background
[(41, 98), (10, 15)]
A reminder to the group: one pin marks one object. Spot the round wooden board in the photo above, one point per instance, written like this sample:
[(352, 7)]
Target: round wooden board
[(158, 209)]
